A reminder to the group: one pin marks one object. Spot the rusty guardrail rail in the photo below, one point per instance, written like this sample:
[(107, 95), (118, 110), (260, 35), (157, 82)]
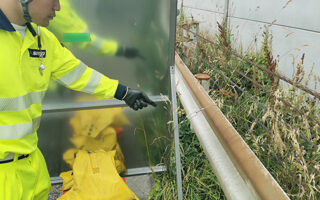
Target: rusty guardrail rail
[(240, 172)]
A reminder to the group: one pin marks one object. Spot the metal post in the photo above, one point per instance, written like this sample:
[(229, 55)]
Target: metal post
[(176, 132), (204, 80), (226, 12), (197, 35)]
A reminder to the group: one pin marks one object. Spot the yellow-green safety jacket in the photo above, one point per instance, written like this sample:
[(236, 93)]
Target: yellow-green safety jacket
[(68, 21), (23, 85)]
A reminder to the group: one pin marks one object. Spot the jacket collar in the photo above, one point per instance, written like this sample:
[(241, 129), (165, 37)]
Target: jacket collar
[(5, 23)]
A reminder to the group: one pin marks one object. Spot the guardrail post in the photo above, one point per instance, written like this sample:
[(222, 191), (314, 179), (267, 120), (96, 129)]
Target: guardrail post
[(176, 132)]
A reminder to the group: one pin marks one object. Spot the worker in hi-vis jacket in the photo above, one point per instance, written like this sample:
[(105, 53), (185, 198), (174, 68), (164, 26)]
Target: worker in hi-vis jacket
[(30, 56), (68, 21)]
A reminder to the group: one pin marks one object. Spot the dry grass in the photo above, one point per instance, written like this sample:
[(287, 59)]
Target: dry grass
[(280, 124)]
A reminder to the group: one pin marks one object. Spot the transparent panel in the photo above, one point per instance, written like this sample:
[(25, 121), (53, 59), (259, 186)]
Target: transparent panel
[(143, 25), (94, 31), (142, 136)]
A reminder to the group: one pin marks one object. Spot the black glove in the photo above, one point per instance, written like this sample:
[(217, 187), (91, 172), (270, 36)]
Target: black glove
[(129, 52), (136, 99)]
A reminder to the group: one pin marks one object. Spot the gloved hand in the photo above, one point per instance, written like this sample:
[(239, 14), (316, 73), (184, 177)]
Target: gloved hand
[(136, 99), (129, 52)]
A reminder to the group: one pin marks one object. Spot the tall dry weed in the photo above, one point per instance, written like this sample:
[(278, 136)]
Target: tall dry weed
[(281, 127)]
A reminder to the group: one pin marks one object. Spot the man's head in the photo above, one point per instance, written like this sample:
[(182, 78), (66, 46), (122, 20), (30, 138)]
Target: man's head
[(40, 11)]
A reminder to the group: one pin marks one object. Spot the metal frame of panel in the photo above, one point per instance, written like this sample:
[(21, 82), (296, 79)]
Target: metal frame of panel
[(75, 106), (131, 172), (172, 40)]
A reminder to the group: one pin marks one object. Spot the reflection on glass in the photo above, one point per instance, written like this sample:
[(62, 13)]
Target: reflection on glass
[(114, 26), (141, 137), (94, 130), (98, 32)]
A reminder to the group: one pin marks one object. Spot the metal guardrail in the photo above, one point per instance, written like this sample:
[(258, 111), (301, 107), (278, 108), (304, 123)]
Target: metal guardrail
[(240, 172)]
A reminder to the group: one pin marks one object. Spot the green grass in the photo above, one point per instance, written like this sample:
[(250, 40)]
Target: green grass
[(285, 138), (199, 182)]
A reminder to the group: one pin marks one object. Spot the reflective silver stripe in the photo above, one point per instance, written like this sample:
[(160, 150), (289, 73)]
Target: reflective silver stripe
[(72, 76), (10, 156), (22, 102), (19, 130), (93, 82), (95, 46)]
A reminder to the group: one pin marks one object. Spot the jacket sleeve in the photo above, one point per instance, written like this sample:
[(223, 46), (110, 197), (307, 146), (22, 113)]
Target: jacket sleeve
[(76, 75), (68, 21)]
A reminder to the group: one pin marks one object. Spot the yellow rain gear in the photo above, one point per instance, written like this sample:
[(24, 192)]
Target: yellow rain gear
[(93, 122), (70, 154), (94, 130), (67, 180), (96, 178)]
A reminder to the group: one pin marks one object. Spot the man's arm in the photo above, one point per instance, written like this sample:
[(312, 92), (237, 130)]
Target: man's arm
[(76, 75)]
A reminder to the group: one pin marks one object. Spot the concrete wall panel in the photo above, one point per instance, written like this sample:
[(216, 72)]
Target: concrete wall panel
[(288, 45), (298, 13), (206, 5), (207, 20), (295, 31)]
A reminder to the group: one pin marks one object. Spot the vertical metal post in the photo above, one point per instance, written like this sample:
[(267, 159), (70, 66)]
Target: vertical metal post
[(197, 35), (226, 12), (172, 40), (176, 132), (196, 38), (172, 33)]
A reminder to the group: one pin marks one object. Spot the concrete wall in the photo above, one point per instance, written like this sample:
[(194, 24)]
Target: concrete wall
[(295, 27), (206, 12)]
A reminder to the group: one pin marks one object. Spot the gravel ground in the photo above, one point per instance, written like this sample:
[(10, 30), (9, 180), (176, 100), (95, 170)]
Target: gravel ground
[(56, 193)]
